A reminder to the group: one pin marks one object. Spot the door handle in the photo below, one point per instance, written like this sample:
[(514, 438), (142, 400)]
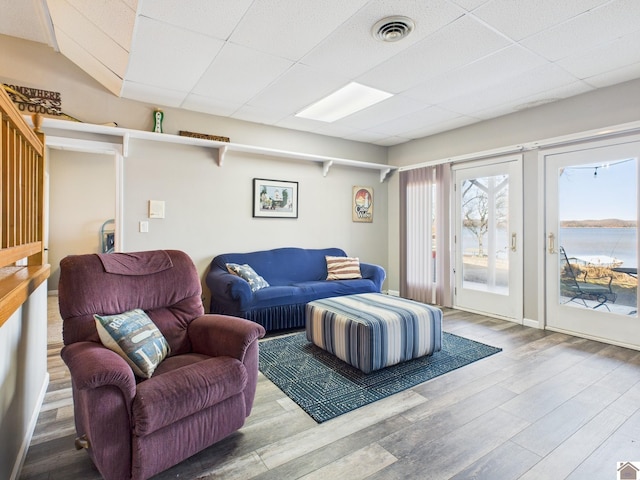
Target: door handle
[(552, 243), (513, 242)]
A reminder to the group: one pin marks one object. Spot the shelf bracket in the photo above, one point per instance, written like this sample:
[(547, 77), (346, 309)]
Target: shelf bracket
[(125, 144), (222, 151), (383, 174), (326, 165)]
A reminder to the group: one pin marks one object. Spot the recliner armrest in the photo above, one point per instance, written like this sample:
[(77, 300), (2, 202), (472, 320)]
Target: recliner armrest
[(92, 365), (223, 335)]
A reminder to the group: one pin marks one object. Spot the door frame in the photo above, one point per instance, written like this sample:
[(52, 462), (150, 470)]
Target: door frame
[(587, 143), (516, 292)]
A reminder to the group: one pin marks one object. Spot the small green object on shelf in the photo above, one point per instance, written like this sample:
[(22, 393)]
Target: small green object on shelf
[(158, 116)]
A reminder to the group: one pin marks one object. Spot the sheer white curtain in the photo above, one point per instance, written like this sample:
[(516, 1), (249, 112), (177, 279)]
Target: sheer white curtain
[(424, 239)]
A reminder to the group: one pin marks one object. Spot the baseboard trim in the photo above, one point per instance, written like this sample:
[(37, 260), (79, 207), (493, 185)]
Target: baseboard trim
[(527, 322), (24, 448), (394, 293)]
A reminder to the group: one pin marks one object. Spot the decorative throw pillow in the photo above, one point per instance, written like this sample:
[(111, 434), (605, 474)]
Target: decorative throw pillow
[(343, 268), (134, 337), (256, 282)]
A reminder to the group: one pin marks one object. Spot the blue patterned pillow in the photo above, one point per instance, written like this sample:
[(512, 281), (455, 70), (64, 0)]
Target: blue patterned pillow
[(134, 337), (256, 282)]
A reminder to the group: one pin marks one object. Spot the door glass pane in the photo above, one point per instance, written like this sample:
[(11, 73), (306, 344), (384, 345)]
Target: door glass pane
[(485, 238), (597, 236)]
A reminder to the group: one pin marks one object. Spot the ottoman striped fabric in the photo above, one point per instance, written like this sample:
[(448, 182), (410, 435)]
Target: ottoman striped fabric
[(371, 331)]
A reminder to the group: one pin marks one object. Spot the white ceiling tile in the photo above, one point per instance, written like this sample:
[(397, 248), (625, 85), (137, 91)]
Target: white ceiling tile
[(271, 25), (87, 62), (132, 4), (263, 61), (267, 116), (24, 19), (391, 141), (613, 77), (535, 100), (519, 19), (217, 18), (511, 90), (459, 43), (113, 17), (444, 125), (469, 5), (365, 136), (213, 106), (596, 27), (85, 34), (159, 96), (298, 88), (604, 58), (476, 76), (237, 74), (389, 109), (335, 130), (298, 123), (170, 57), (352, 49), (426, 117)]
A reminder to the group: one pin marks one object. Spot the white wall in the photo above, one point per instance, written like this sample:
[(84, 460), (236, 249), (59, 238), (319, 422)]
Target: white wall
[(208, 209), (82, 193), (23, 378), (594, 110)]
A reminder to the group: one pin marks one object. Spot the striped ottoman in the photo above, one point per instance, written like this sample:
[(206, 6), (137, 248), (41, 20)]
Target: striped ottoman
[(371, 331)]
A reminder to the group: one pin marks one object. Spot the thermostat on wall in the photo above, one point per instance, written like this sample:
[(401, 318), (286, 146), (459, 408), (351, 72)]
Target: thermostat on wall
[(156, 209)]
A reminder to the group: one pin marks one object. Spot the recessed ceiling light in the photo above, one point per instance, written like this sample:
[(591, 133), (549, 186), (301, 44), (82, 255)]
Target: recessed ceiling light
[(351, 98)]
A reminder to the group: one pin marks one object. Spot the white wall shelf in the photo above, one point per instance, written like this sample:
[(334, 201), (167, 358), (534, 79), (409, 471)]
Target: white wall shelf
[(51, 126)]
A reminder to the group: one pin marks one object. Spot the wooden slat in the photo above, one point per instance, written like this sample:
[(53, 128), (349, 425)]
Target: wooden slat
[(11, 255), (13, 115)]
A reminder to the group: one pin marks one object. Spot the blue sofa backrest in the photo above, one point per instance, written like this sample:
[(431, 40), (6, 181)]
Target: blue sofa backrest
[(283, 266)]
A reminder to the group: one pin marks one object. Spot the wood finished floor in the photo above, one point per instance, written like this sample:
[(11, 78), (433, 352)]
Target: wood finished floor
[(549, 406)]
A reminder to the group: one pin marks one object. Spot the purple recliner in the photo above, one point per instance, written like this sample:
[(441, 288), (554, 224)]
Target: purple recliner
[(203, 391)]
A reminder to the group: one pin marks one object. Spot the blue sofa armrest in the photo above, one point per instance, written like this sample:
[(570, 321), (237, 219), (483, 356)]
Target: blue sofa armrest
[(232, 294), (374, 273)]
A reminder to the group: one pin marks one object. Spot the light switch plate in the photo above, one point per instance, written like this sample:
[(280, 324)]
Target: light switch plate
[(156, 209)]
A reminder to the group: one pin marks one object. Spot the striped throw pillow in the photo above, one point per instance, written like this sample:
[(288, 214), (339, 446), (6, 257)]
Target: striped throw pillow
[(343, 268), (134, 337)]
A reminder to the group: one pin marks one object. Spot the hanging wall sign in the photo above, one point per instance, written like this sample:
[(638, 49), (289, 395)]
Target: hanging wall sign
[(35, 100), (362, 204)]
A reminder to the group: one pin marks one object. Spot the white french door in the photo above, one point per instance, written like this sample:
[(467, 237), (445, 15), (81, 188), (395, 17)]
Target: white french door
[(488, 237), (591, 218)]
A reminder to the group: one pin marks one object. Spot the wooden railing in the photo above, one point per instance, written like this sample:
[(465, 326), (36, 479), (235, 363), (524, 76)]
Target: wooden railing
[(22, 259)]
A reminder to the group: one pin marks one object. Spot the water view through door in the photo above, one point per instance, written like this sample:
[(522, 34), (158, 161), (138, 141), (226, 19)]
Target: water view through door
[(592, 242)]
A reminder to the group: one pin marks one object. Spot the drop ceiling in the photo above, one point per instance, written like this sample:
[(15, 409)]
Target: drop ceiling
[(265, 60)]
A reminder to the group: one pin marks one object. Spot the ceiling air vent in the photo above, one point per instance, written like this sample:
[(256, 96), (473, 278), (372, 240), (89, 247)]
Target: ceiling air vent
[(392, 29)]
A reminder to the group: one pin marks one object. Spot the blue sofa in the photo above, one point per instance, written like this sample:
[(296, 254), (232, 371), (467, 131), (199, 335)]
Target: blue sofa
[(295, 276)]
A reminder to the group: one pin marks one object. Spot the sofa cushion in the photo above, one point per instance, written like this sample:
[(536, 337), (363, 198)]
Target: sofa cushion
[(134, 337), (255, 281), (164, 399), (282, 266), (343, 268)]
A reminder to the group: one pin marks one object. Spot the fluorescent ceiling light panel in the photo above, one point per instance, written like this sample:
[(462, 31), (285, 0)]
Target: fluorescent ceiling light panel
[(349, 99)]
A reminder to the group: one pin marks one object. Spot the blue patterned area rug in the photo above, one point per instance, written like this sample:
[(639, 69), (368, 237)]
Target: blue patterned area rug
[(326, 387)]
